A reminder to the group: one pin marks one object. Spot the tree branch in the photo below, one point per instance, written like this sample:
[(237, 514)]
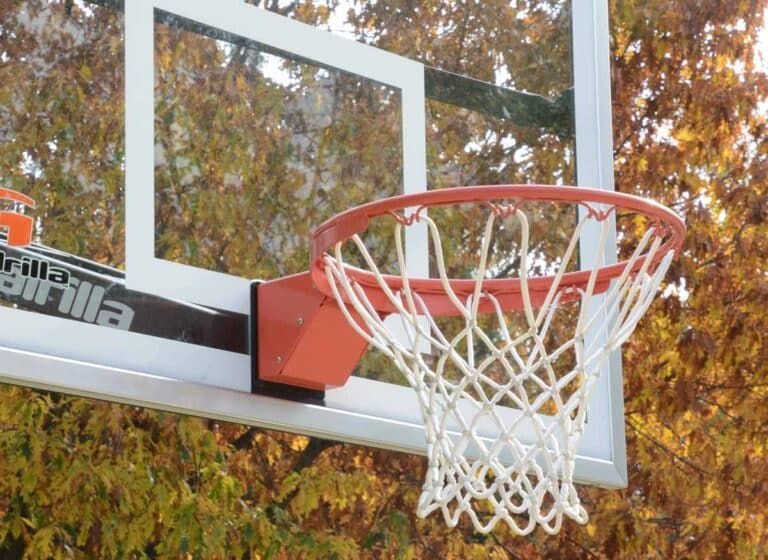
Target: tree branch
[(510, 553), (666, 449)]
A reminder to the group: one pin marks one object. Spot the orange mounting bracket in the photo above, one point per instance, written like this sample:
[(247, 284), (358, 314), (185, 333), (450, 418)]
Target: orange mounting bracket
[(18, 226), (301, 343)]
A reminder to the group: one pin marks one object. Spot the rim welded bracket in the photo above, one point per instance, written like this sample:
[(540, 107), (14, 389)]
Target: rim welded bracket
[(301, 343)]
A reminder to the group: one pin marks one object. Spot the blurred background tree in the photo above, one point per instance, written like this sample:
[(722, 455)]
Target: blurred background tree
[(86, 479)]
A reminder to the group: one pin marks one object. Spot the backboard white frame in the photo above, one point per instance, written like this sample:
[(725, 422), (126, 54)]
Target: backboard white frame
[(56, 354)]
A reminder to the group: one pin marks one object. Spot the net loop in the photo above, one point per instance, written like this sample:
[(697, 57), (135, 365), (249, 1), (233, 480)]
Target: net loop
[(597, 214)]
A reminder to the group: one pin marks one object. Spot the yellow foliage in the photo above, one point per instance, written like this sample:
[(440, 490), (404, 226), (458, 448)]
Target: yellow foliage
[(88, 479)]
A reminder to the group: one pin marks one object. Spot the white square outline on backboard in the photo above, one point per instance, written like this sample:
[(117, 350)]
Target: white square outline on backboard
[(147, 273), (61, 355)]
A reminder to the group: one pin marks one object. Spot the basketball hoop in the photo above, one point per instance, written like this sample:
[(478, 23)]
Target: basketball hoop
[(499, 478)]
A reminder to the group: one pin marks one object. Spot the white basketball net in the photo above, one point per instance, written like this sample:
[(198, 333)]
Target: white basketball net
[(512, 463)]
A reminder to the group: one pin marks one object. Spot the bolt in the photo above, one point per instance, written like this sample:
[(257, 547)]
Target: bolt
[(300, 321), (279, 359)]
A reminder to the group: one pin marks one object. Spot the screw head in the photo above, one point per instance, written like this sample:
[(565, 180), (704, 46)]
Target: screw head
[(300, 321), (278, 359)]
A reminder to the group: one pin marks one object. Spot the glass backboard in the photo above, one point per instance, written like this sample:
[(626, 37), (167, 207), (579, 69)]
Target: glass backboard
[(182, 149)]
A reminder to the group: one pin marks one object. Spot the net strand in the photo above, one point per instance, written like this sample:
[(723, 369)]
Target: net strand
[(489, 460)]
